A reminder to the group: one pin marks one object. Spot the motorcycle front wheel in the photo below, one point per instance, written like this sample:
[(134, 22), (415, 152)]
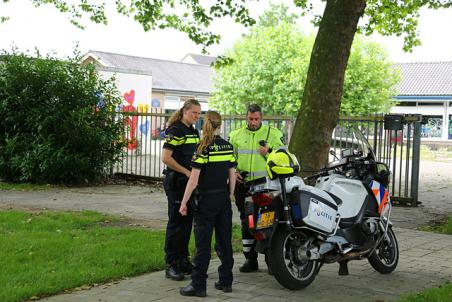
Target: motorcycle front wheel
[(386, 257), (289, 269)]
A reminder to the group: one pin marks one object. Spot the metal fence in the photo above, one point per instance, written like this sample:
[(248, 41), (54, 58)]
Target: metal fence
[(145, 134), (396, 141), (400, 149)]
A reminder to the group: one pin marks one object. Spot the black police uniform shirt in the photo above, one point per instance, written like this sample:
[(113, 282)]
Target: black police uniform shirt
[(182, 140), (214, 163)]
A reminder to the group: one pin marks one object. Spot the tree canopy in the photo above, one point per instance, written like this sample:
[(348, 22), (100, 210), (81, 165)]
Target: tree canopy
[(269, 67), (194, 17)]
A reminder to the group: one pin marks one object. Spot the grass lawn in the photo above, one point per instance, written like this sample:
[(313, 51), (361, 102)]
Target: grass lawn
[(441, 294), (445, 227), (48, 252), (24, 186)]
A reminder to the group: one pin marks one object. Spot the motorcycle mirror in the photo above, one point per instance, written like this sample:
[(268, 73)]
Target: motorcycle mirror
[(334, 154)]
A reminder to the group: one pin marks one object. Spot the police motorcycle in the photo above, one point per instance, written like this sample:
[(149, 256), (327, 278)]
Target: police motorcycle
[(344, 217)]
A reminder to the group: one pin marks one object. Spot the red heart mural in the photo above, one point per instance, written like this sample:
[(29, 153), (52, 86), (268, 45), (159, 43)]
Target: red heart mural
[(129, 97)]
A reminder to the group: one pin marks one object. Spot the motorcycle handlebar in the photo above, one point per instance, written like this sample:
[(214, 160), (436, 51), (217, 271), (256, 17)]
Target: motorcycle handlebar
[(343, 162)]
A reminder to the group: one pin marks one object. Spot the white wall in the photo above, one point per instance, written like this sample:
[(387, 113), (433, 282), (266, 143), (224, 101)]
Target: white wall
[(136, 89), (141, 84)]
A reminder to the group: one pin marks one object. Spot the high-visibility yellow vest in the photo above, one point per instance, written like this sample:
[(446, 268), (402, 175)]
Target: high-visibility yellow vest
[(246, 148)]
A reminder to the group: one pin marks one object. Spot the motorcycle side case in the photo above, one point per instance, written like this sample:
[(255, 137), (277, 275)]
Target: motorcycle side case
[(351, 191), (314, 208)]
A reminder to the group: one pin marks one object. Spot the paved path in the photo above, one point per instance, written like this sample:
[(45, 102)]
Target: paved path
[(425, 258), (425, 261)]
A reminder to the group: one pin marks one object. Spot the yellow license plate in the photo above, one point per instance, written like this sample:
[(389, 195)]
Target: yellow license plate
[(265, 220)]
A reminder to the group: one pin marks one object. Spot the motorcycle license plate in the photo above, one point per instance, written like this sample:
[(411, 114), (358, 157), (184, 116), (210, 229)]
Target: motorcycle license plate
[(265, 220)]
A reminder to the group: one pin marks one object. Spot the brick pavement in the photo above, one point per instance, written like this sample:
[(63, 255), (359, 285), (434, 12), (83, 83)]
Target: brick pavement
[(425, 262)]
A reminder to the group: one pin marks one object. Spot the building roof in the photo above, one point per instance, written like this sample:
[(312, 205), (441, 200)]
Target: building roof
[(199, 59), (166, 75), (425, 79)]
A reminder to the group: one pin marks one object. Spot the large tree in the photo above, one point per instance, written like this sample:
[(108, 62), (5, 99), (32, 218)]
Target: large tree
[(269, 67), (325, 79)]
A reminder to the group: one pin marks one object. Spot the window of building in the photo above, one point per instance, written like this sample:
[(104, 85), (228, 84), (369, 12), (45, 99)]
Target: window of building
[(172, 102), (430, 104), (204, 105), (449, 134), (407, 104), (433, 126)]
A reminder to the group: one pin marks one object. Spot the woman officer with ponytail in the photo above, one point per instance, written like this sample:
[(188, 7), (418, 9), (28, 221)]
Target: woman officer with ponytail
[(181, 139), (213, 172)]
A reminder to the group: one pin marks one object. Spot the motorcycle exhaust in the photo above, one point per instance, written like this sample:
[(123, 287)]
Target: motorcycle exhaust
[(308, 254)]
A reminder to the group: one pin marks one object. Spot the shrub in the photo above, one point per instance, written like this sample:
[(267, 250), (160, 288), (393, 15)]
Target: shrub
[(57, 120)]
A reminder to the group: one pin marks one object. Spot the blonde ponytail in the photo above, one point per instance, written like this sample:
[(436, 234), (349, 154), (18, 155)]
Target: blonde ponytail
[(177, 116), (212, 121)]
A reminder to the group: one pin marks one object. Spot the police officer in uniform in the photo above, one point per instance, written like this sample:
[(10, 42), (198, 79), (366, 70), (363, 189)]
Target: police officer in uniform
[(252, 144), (213, 171), (181, 139)]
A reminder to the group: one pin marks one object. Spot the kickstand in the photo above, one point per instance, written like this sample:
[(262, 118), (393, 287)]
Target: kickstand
[(319, 267), (343, 268)]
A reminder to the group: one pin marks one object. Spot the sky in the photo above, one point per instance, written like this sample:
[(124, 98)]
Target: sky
[(50, 31)]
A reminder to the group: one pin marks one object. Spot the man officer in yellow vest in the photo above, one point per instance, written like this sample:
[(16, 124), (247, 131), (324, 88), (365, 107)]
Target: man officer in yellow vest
[(252, 144)]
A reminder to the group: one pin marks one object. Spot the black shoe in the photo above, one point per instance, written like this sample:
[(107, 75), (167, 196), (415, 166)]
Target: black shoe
[(224, 288), (189, 290), (186, 266), (173, 273), (250, 265)]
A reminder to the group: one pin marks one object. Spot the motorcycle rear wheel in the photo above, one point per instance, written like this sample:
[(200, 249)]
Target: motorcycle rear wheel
[(386, 257), (289, 271)]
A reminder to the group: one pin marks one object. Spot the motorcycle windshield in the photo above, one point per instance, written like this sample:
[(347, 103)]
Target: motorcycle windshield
[(364, 143), (350, 141)]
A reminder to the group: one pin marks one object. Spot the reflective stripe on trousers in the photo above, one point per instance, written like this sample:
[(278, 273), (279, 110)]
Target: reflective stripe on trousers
[(247, 244)]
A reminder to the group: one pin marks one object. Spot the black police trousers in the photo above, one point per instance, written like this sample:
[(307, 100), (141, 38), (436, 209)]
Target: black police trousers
[(212, 212), (248, 241), (178, 229)]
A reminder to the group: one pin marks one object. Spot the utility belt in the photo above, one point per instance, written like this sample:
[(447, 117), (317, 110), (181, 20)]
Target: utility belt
[(175, 180), (213, 191), (199, 192)]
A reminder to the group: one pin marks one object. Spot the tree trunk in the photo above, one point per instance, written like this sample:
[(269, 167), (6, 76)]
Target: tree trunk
[(319, 112)]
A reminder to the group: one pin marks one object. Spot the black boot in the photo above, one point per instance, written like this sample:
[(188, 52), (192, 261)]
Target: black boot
[(173, 272), (189, 290), (224, 288), (186, 266), (250, 265)]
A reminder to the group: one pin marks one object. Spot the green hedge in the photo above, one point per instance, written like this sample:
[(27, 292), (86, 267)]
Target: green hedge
[(57, 120)]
